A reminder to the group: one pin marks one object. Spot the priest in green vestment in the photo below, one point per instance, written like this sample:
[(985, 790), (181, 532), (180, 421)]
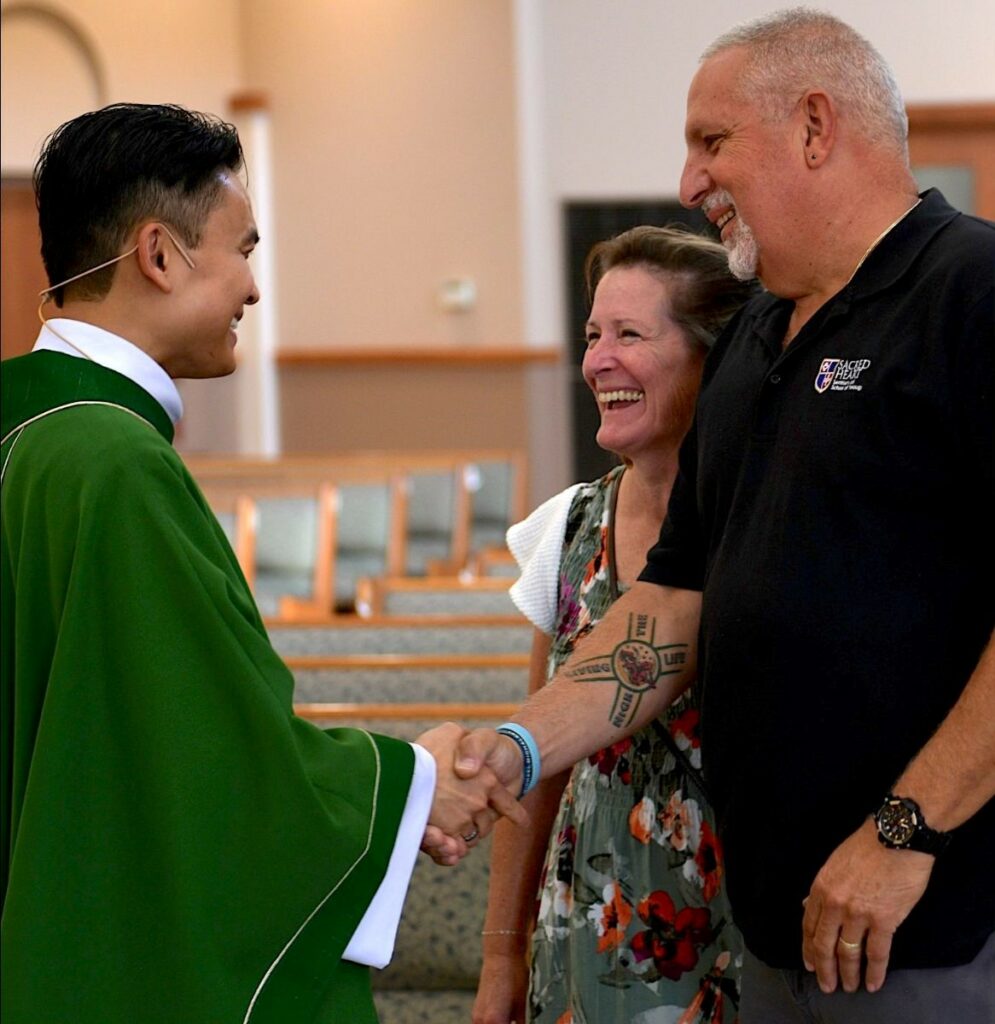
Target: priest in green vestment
[(177, 846)]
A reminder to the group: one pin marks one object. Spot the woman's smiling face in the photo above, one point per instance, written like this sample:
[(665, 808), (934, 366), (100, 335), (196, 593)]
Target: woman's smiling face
[(643, 370)]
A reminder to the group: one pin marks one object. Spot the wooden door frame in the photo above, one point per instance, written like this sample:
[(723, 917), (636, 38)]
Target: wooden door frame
[(957, 134), (23, 274)]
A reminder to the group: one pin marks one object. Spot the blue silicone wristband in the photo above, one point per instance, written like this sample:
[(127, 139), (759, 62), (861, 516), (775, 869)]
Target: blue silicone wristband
[(531, 764)]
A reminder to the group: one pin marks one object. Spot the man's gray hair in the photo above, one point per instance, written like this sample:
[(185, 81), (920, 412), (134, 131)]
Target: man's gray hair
[(798, 49)]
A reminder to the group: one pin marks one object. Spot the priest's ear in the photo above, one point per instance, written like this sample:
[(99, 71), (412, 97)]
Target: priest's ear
[(156, 257)]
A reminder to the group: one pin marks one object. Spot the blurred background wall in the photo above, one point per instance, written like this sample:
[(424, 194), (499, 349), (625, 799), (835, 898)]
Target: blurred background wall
[(414, 158)]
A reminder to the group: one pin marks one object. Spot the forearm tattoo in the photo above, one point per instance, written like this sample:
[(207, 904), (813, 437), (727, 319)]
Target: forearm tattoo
[(636, 665)]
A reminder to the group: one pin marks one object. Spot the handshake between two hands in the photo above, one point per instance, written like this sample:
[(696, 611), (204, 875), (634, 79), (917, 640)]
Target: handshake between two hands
[(477, 774)]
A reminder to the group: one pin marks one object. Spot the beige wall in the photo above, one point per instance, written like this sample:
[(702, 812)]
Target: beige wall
[(394, 167), (393, 127), (393, 164), (62, 58), (940, 53), (416, 407), (184, 51), (417, 140), (603, 89)]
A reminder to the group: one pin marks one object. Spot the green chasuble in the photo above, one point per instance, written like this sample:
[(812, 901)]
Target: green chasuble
[(177, 846)]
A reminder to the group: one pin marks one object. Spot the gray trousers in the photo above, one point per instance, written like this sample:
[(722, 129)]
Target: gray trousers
[(939, 995)]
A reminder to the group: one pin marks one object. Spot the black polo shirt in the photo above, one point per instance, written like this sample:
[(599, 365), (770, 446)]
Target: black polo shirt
[(835, 505)]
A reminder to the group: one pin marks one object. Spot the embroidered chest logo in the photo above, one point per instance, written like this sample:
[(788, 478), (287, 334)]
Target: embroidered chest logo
[(840, 375)]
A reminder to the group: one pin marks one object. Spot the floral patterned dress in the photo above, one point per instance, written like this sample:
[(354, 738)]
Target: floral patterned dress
[(633, 921)]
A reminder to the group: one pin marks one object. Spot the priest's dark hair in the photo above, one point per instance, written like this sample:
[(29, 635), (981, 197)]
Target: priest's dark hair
[(104, 172)]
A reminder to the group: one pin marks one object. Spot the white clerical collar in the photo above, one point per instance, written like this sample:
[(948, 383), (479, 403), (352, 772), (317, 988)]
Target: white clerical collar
[(115, 353)]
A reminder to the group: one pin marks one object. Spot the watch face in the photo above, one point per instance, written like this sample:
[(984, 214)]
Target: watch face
[(896, 822)]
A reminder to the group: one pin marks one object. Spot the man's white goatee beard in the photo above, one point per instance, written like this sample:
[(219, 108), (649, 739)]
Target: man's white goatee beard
[(744, 254)]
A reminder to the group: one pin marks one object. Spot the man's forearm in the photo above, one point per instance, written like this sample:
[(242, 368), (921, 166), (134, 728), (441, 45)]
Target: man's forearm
[(863, 892), (628, 670)]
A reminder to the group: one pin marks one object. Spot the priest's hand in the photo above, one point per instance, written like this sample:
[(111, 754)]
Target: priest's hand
[(464, 808), (446, 851)]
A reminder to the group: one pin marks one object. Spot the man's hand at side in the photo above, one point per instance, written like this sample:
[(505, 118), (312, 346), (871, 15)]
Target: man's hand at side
[(859, 898)]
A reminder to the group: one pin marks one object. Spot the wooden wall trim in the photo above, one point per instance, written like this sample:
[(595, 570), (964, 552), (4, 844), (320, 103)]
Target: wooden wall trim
[(950, 116), (345, 622), (446, 712), (518, 355), (364, 662), (248, 100)]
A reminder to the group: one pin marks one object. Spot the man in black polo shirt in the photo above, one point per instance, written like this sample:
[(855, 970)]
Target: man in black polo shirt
[(827, 560)]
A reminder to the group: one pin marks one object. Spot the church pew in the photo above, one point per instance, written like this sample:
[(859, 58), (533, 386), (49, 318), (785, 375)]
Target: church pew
[(435, 595), (403, 635), (351, 465), (236, 514), (394, 719), (433, 509), (498, 500), (403, 678), (496, 562), (311, 540), (295, 548)]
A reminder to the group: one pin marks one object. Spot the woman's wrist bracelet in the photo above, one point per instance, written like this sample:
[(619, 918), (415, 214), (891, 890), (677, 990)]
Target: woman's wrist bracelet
[(502, 931), (531, 765)]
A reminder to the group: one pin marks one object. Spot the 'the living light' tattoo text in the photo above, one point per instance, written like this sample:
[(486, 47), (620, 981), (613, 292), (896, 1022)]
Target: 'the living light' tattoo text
[(635, 666)]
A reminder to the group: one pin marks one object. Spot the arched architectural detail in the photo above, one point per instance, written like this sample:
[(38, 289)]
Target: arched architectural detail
[(69, 30)]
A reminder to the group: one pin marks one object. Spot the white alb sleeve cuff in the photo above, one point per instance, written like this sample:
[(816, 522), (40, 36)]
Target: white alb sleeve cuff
[(537, 544), (372, 943)]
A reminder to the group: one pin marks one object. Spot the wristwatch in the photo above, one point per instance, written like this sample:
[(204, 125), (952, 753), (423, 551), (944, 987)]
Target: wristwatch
[(901, 826)]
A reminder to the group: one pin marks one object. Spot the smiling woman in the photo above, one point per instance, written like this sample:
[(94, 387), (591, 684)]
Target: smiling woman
[(632, 911), (639, 365)]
